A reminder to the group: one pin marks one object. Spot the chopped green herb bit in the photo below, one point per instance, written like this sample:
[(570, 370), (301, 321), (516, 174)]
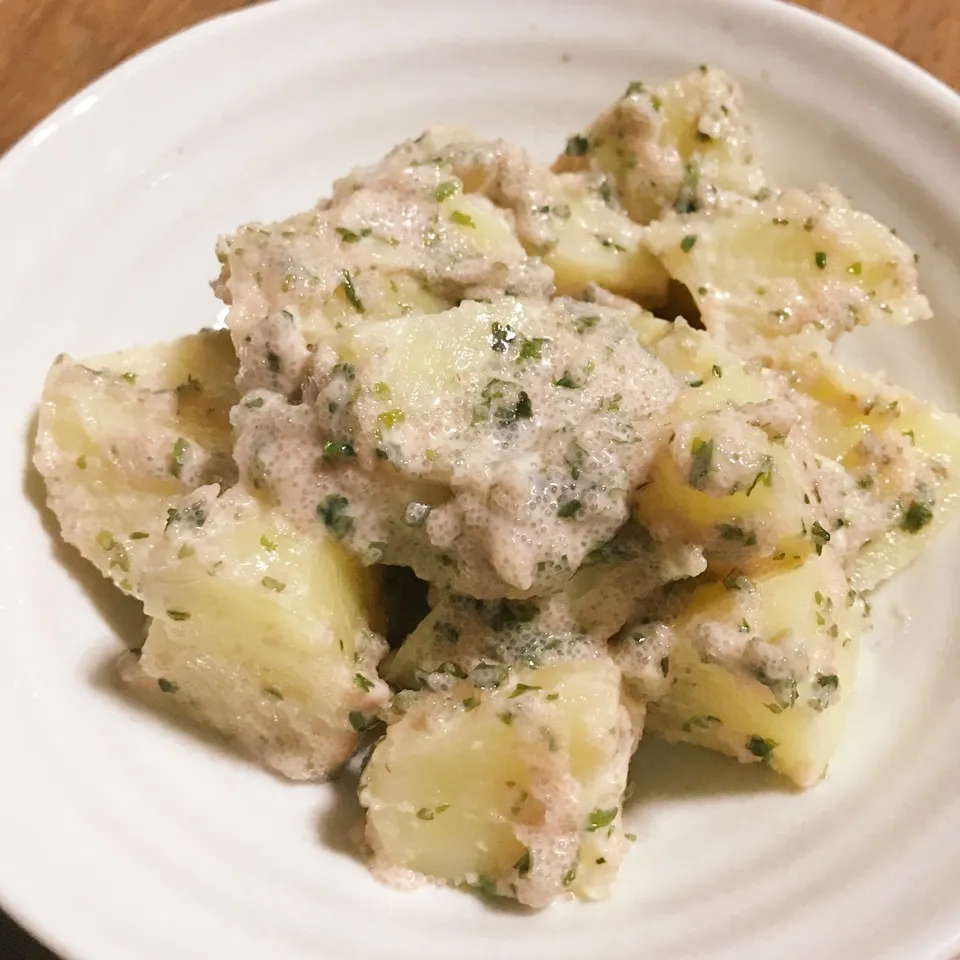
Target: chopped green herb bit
[(820, 259), (531, 349), (350, 236), (570, 876), (381, 391), (696, 383), (350, 292), (569, 509), (765, 477), (129, 377), (635, 86), (599, 819), (522, 866), (139, 535), (828, 681), (267, 544), (360, 721), (391, 418), (471, 703), (577, 146), (918, 515), (717, 371), (462, 219), (178, 614), (424, 814), (364, 683), (446, 190), (81, 462), (855, 269), (485, 886), (105, 540), (522, 688), (523, 410), (656, 102), (272, 584), (273, 362), (333, 514), (167, 686), (700, 462), (736, 533), (553, 697), (253, 404), (761, 747), (819, 535), (185, 551), (581, 324), (177, 458), (566, 382), (686, 244), (337, 450)]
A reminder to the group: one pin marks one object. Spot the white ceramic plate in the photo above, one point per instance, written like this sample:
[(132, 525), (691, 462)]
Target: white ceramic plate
[(124, 838)]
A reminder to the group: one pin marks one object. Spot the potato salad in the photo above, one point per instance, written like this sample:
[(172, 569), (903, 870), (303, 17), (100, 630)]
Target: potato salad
[(499, 466)]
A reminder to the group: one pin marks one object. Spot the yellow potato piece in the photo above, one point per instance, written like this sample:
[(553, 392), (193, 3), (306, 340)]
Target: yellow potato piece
[(514, 789), (262, 633), (122, 437)]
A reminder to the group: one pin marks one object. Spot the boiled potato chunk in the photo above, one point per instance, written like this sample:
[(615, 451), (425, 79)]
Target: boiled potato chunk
[(262, 633), (902, 453), (762, 670), (597, 243), (724, 485), (683, 145), (408, 240), (122, 437), (795, 263), (441, 443), (712, 376), (514, 790)]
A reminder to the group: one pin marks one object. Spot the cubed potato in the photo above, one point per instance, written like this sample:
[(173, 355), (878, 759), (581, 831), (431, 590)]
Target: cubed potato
[(598, 243), (901, 453), (435, 436), (122, 437), (512, 789), (759, 669), (795, 263), (408, 241), (683, 145), (725, 486), (262, 633), (712, 376)]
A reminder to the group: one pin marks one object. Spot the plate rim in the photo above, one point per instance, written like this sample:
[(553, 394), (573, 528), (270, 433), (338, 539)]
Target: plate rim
[(921, 85)]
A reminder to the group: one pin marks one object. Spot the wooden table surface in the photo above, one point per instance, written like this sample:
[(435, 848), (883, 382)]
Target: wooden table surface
[(49, 49)]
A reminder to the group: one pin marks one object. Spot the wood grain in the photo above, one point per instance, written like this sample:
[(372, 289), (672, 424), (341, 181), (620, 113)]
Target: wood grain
[(49, 49)]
